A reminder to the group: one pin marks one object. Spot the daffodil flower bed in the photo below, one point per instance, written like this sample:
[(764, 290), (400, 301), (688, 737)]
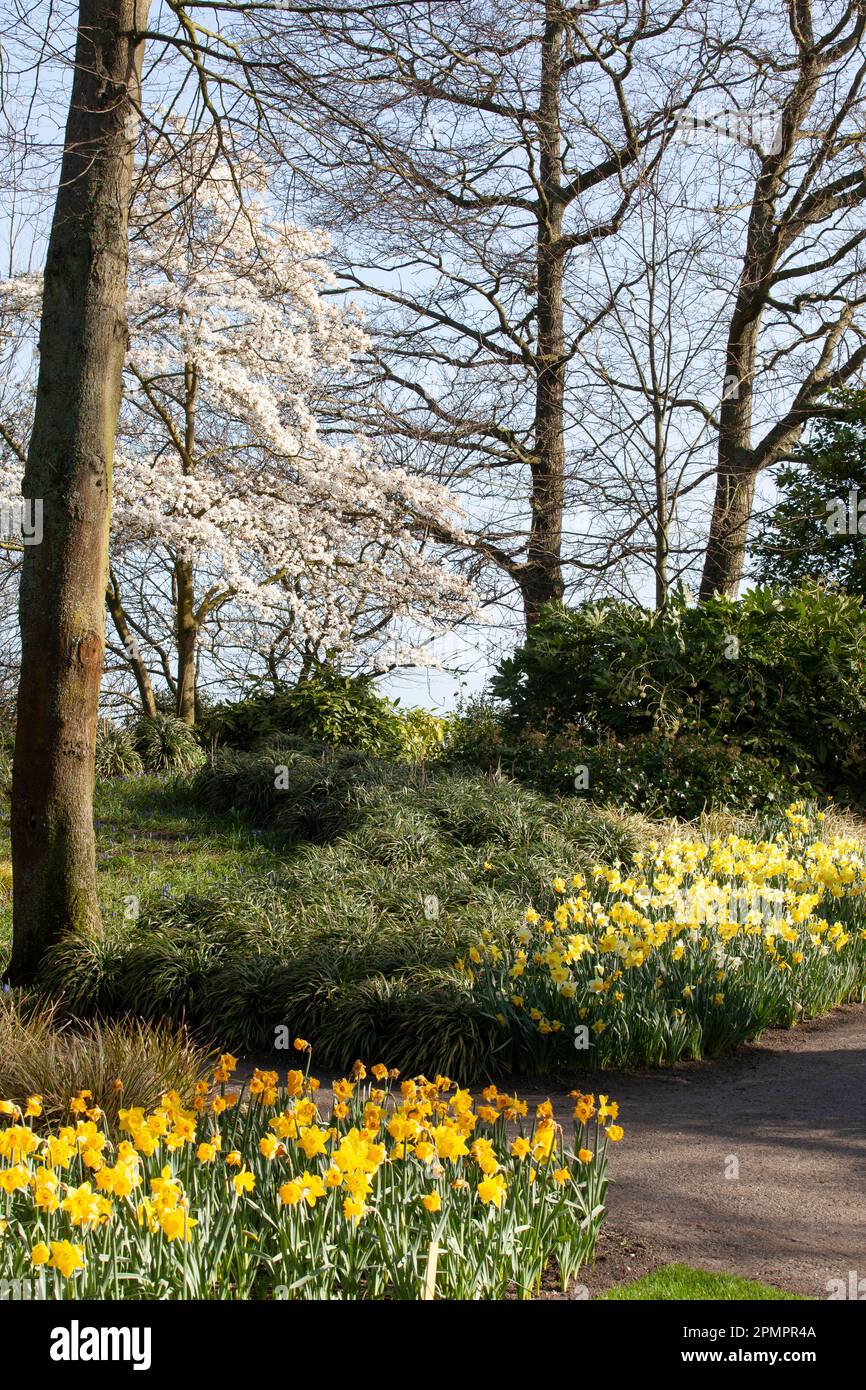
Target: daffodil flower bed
[(699, 947), (402, 1190)]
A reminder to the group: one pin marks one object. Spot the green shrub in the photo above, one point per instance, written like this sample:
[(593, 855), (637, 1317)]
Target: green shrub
[(165, 744), (477, 735), (655, 774), (328, 711), (686, 776), (116, 754), (777, 675), (663, 776), (422, 735)]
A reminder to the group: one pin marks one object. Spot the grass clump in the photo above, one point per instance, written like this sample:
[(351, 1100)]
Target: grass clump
[(46, 1055), (673, 1282), (116, 754), (166, 744)]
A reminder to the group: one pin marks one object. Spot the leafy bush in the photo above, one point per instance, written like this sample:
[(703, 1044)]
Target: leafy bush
[(779, 675), (43, 1054), (422, 735), (327, 711), (116, 754), (165, 744), (655, 774)]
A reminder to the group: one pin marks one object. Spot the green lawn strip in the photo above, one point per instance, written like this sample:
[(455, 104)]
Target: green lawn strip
[(151, 841), (673, 1282)]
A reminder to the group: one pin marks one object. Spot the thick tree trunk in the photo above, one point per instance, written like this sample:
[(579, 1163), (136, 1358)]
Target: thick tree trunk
[(63, 582), (541, 578), (737, 474), (187, 641), (729, 531)]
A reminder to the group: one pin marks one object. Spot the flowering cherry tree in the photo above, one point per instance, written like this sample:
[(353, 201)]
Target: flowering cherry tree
[(239, 500)]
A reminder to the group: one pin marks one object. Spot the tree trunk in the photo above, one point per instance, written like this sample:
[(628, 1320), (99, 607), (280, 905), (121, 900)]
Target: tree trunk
[(738, 464), (63, 581), (737, 475), (130, 646), (662, 542), (729, 530), (541, 578), (187, 640)]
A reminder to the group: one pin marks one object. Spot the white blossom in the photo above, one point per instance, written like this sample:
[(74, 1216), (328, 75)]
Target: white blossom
[(229, 452)]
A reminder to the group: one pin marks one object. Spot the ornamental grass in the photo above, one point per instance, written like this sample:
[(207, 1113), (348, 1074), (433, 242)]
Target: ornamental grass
[(393, 1190)]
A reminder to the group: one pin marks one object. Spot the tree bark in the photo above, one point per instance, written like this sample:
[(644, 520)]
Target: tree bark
[(662, 516), (187, 640), (738, 469), (541, 578), (69, 462), (729, 531)]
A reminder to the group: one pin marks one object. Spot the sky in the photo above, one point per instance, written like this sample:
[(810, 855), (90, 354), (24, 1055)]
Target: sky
[(37, 87)]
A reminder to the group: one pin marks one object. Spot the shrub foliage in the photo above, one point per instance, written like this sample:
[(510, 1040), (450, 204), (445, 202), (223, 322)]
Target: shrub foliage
[(777, 675)]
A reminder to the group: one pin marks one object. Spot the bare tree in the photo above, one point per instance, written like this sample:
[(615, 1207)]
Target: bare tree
[(477, 154), (646, 383), (799, 295)]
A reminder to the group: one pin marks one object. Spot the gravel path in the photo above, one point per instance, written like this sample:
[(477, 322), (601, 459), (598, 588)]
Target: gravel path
[(791, 1110)]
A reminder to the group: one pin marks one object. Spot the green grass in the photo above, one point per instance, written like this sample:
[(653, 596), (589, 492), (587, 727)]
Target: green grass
[(152, 842), (673, 1282), (336, 907)]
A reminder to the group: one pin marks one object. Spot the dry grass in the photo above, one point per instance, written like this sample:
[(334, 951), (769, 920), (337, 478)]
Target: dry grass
[(41, 1054)]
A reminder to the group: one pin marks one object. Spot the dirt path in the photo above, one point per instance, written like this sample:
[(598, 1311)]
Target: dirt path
[(792, 1111), (787, 1115)]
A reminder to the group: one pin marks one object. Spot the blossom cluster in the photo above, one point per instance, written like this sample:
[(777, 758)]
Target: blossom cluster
[(230, 455)]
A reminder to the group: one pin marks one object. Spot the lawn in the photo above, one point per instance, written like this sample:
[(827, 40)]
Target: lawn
[(673, 1282), (153, 842)]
